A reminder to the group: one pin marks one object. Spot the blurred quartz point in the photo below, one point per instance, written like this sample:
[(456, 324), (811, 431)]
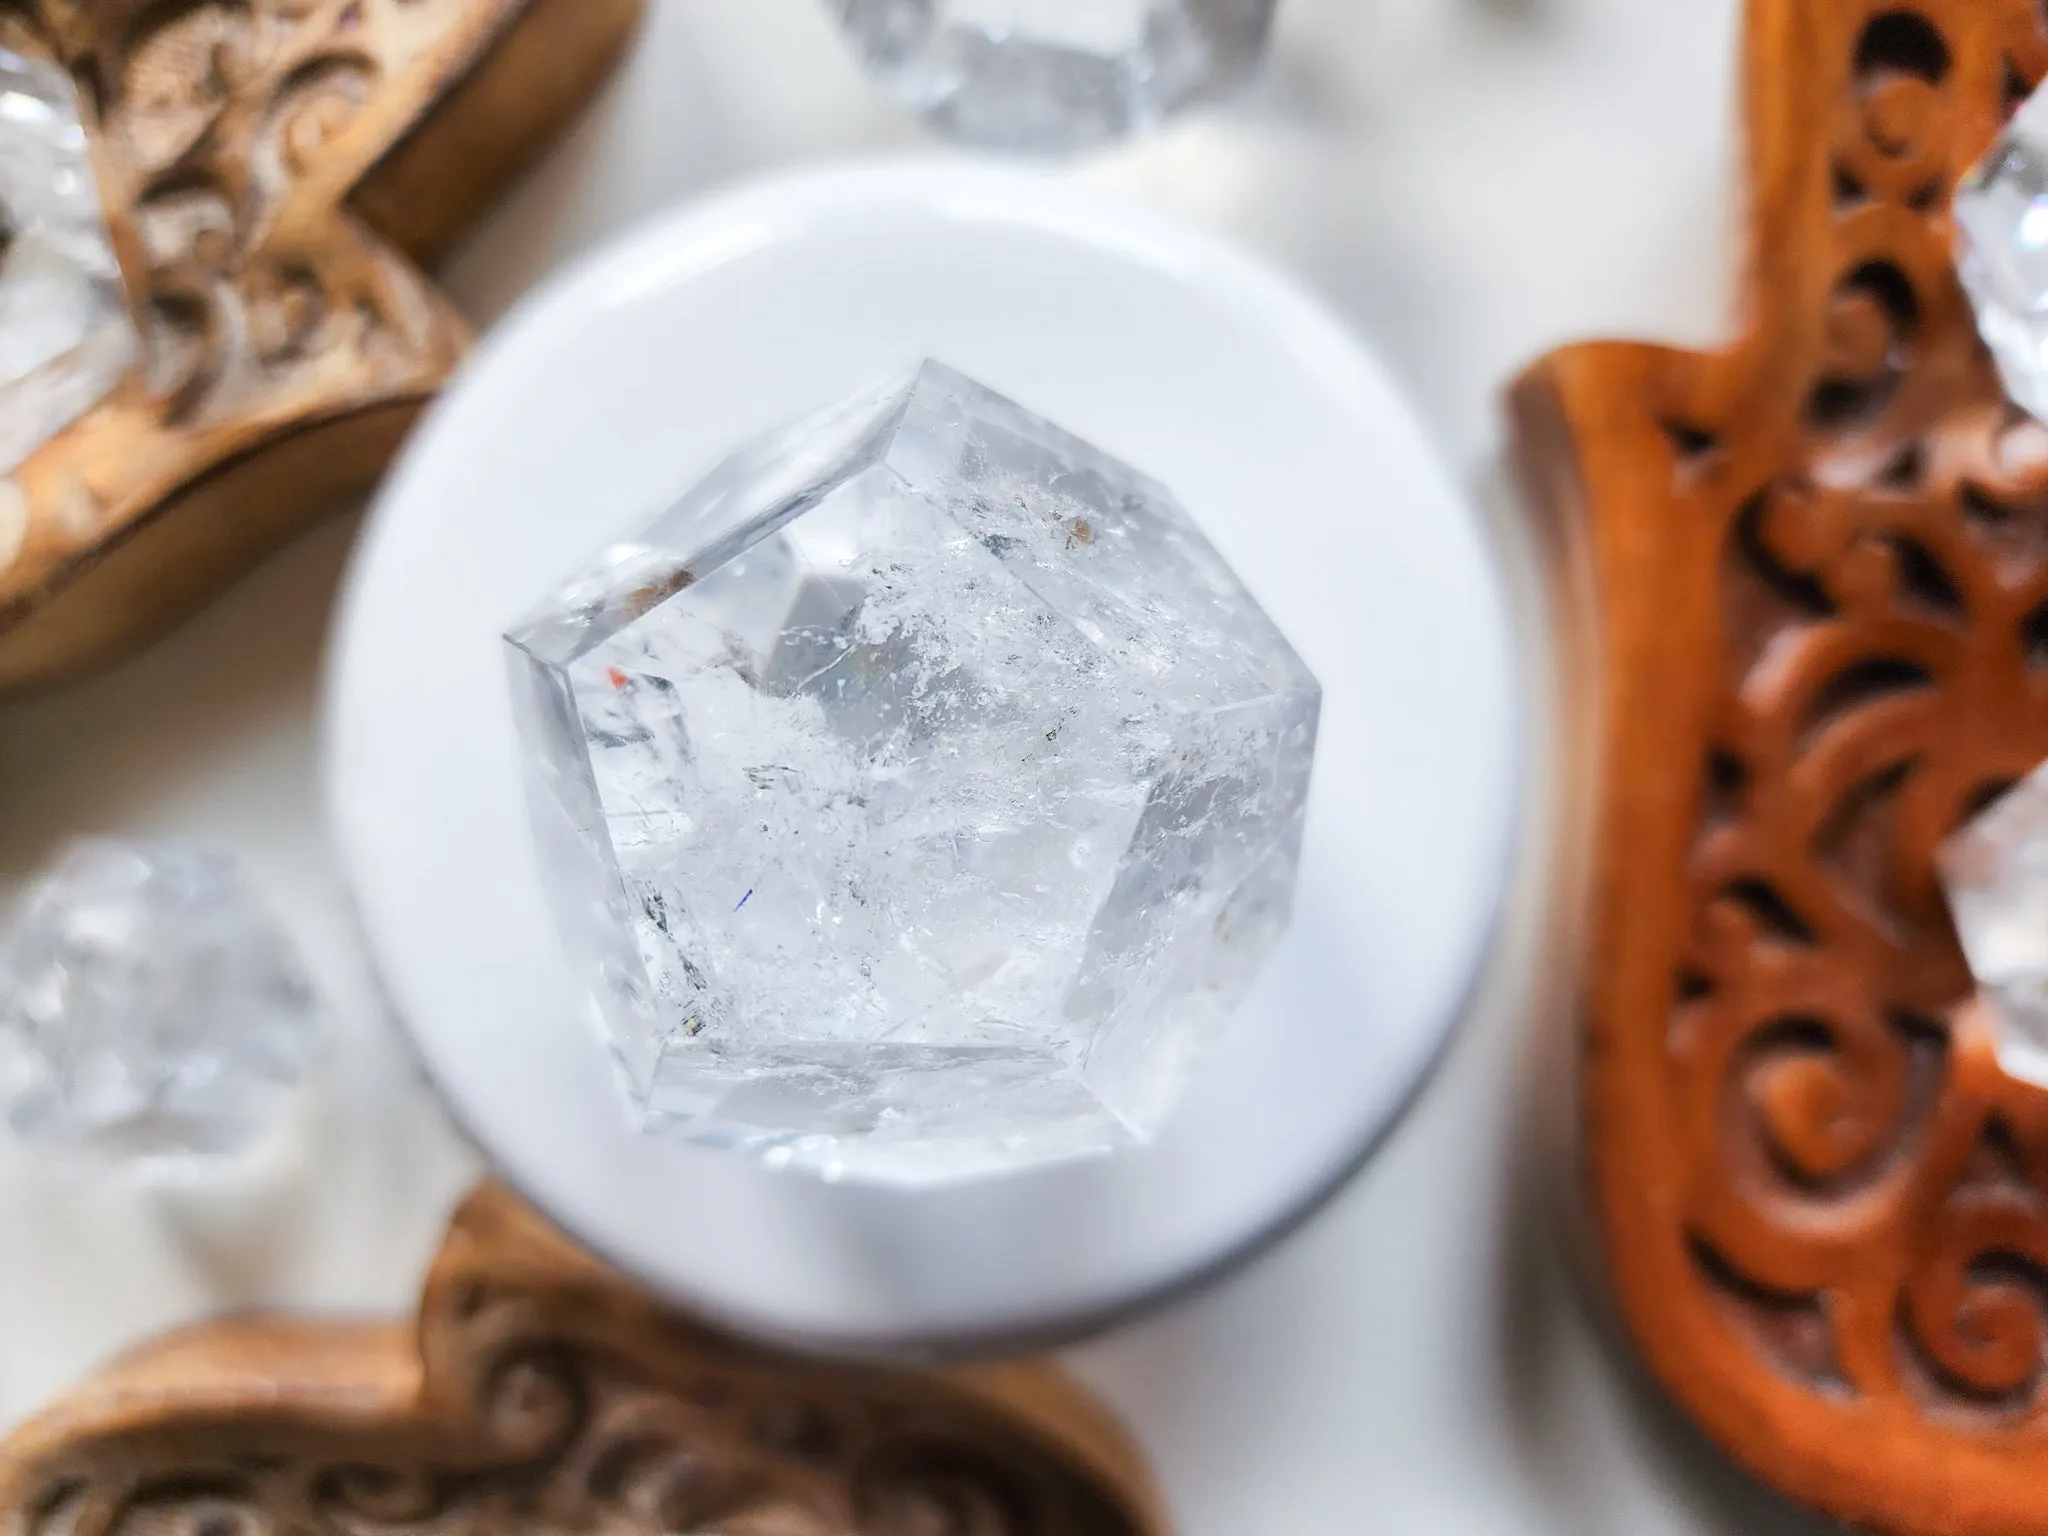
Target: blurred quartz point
[(65, 333), (149, 1006), (1996, 871), (2001, 214), (1055, 74), (919, 795)]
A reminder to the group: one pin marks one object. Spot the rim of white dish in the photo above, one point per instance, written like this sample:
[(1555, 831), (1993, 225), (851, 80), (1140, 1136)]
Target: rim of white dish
[(747, 224)]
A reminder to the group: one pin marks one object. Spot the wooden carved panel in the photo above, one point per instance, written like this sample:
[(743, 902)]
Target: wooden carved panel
[(537, 1392), (276, 172), (1818, 572)]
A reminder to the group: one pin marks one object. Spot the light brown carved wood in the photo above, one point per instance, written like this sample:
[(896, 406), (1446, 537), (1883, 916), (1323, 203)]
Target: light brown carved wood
[(1817, 571), (538, 1392), (276, 172)]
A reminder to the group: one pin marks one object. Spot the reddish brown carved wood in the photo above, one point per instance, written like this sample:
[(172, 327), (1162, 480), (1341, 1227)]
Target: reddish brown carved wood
[(1819, 577), (537, 1392)]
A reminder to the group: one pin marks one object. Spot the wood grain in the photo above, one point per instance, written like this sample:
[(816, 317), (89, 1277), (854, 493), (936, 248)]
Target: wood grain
[(275, 171), (1816, 576), (538, 1392)]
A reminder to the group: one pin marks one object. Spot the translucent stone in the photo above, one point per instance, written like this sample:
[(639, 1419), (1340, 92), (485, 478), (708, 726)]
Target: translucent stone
[(149, 1006), (1996, 872), (919, 795), (1055, 74), (65, 333)]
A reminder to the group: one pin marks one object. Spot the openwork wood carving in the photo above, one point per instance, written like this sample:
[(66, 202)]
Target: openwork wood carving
[(276, 171), (1819, 579), (539, 1393)]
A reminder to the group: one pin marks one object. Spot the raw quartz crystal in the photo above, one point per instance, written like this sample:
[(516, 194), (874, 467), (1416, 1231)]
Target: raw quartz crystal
[(1996, 872), (2001, 217), (919, 795), (149, 1006), (65, 334), (1055, 74)]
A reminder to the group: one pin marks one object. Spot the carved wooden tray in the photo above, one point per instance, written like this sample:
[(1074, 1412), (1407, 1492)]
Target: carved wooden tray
[(538, 1392), (1818, 570), (276, 174)]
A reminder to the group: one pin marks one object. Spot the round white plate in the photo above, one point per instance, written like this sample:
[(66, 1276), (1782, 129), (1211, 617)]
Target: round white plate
[(608, 392)]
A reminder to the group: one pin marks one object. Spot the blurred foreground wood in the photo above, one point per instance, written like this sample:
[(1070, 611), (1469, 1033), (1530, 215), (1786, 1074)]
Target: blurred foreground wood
[(277, 172), (537, 1391)]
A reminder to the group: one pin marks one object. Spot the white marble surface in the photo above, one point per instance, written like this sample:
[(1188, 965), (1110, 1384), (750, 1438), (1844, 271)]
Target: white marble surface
[(1470, 181)]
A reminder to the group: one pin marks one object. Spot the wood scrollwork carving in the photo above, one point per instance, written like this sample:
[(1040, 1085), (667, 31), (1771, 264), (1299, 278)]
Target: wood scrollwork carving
[(538, 1392), (276, 173), (1818, 571)]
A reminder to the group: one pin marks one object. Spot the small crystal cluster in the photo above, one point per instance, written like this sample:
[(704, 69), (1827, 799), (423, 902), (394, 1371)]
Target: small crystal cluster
[(919, 795), (65, 333), (149, 1006), (1996, 873), (1055, 74)]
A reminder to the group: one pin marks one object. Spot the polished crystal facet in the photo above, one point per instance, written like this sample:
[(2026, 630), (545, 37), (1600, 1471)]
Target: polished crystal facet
[(65, 334), (1996, 871), (149, 1005), (919, 795), (1055, 74)]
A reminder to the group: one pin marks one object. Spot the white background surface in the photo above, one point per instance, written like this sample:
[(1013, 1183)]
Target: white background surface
[(1470, 181)]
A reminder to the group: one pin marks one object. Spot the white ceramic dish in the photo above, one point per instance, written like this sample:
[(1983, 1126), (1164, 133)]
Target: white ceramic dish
[(620, 381)]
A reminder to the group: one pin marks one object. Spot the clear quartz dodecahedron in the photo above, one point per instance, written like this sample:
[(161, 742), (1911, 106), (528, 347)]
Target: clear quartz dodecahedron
[(1996, 873), (919, 795), (65, 333), (1055, 74), (150, 1007)]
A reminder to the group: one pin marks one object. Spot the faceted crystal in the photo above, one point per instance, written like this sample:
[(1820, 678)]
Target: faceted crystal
[(65, 334), (919, 795), (1055, 74), (149, 1006), (1996, 872)]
